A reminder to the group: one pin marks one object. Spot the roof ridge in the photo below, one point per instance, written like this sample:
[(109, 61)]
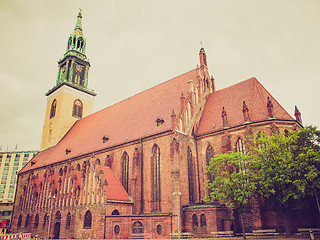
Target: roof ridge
[(252, 78), (148, 89), (273, 98)]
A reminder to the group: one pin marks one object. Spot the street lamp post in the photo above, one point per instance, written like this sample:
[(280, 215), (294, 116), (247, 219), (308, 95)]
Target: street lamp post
[(178, 212), (50, 197)]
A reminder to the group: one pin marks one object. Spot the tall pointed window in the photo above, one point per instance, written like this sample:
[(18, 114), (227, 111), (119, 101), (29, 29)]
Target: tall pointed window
[(240, 147), (191, 177), (26, 224), (156, 180), (68, 222), (209, 155), (87, 220), (19, 221), (125, 170), (53, 109), (77, 109), (36, 221), (45, 220), (194, 220)]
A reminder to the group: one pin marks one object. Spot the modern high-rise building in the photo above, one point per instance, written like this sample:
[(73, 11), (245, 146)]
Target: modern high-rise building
[(11, 162)]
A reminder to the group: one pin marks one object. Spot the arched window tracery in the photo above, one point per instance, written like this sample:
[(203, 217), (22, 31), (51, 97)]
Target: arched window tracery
[(137, 227), (125, 170), (240, 146), (209, 156), (156, 178), (77, 109)]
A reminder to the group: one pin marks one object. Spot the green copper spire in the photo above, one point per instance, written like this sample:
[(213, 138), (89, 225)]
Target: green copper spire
[(79, 23), (76, 41), (74, 66)]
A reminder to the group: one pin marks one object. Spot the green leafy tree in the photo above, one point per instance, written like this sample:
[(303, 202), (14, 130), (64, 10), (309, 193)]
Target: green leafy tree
[(289, 167), (277, 171), (233, 181), (284, 168), (306, 152)]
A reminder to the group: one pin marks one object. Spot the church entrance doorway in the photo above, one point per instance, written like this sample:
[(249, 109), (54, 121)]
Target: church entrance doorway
[(56, 230)]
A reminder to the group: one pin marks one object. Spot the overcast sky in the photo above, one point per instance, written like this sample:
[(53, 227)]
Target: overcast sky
[(134, 45)]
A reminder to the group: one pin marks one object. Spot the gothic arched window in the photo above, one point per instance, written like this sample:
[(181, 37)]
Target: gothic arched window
[(68, 222), (19, 222), (156, 178), (87, 220), (26, 224), (125, 170), (58, 216), (194, 220), (36, 221), (69, 42), (203, 221), (137, 227), (191, 176), (45, 220), (240, 147), (53, 108), (209, 155), (80, 43), (77, 109)]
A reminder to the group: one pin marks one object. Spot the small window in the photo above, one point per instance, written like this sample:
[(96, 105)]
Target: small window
[(116, 229), (53, 108), (36, 221), (77, 109), (159, 229), (45, 220), (87, 220), (137, 227), (26, 224), (203, 221), (194, 220), (58, 216), (19, 222), (115, 212), (68, 223)]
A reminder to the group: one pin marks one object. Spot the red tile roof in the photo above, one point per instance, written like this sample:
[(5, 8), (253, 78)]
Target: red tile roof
[(115, 190), (252, 92), (130, 119)]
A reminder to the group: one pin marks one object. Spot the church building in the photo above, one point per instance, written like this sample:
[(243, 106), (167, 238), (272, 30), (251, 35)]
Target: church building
[(139, 166)]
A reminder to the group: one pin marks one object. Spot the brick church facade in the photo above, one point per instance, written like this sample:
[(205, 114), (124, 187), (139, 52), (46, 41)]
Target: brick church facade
[(139, 166)]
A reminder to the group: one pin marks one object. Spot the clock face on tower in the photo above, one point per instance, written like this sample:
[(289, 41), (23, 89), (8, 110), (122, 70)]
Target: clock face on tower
[(78, 74)]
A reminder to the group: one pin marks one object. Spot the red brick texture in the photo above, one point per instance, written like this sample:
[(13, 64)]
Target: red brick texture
[(182, 118)]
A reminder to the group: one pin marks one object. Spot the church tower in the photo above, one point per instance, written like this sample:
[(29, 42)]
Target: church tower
[(70, 99)]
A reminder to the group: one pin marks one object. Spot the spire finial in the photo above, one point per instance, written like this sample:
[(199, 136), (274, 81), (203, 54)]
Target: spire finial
[(79, 23)]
